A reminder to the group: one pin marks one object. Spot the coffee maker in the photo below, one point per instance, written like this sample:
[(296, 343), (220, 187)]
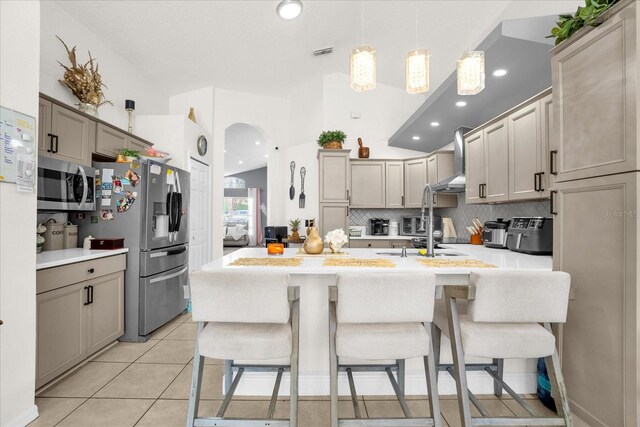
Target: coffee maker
[(378, 227)]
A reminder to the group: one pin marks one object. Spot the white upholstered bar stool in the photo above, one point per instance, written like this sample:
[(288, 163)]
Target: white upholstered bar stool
[(382, 316), (245, 316), (505, 313)]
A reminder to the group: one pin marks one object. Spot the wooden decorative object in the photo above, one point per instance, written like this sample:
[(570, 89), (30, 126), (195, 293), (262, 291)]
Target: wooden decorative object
[(363, 152)]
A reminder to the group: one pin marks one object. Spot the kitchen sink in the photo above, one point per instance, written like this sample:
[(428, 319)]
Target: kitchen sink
[(443, 253)]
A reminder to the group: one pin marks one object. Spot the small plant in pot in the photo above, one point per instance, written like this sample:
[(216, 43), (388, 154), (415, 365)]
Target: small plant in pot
[(331, 139), (127, 155), (295, 226)]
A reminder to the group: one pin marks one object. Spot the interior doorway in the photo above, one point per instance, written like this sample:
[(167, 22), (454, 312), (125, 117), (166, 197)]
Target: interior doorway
[(245, 186), (199, 222)]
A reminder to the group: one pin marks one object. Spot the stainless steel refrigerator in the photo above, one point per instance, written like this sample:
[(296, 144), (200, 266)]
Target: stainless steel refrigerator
[(147, 203)]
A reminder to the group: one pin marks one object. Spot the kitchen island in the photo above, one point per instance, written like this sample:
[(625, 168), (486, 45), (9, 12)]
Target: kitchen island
[(314, 278)]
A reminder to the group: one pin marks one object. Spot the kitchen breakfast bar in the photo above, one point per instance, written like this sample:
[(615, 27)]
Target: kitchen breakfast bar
[(314, 274)]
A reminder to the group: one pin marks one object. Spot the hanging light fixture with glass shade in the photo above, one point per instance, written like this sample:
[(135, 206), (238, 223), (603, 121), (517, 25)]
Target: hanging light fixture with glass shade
[(416, 66), (362, 64), (470, 67), (417, 71), (362, 68)]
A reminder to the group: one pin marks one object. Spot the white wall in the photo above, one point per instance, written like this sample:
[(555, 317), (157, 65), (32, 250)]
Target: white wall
[(19, 39), (271, 116), (202, 102), (123, 79)]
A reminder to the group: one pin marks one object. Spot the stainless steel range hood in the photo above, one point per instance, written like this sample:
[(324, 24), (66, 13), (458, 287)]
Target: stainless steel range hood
[(457, 182)]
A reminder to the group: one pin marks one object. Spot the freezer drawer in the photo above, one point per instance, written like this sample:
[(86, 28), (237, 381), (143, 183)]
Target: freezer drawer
[(162, 298), (159, 260)]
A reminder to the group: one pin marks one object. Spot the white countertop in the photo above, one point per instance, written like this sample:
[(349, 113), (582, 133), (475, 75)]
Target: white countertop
[(501, 258), (48, 259), (370, 237)]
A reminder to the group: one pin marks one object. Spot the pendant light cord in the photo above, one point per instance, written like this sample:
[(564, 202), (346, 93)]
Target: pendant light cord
[(362, 22), (416, 13)]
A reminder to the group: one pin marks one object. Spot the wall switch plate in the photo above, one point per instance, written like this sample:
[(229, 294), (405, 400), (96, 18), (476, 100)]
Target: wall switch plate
[(356, 115)]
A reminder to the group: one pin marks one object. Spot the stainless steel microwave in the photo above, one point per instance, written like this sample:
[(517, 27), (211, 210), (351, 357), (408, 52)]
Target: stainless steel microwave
[(64, 186)]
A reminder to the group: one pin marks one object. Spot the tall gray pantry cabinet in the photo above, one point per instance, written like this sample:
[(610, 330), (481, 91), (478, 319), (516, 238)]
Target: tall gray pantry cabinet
[(595, 183)]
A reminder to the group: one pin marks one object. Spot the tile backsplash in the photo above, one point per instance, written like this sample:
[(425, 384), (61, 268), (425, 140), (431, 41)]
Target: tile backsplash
[(59, 217), (461, 216)]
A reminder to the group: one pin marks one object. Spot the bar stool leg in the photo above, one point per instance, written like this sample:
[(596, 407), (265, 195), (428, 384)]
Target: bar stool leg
[(333, 362), (458, 362), (196, 381), (497, 387), (436, 338), (432, 386), (228, 375), (558, 387), (295, 355), (401, 374)]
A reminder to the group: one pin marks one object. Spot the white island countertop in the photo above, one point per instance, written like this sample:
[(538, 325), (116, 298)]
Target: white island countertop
[(501, 258), (48, 259), (387, 237)]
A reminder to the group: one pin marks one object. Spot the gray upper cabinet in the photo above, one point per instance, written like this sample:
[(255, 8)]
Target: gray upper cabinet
[(394, 181), (334, 176), (368, 184), (415, 178), (110, 141), (594, 92), (525, 146), (439, 168), (474, 167), (65, 134), (547, 135), (496, 162)]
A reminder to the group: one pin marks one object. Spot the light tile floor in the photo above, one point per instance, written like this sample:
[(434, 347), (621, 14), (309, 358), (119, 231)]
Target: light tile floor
[(148, 385)]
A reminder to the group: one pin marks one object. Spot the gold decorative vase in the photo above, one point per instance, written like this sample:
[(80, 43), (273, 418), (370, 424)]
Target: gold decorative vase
[(313, 244)]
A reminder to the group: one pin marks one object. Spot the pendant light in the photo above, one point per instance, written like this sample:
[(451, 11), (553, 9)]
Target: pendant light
[(416, 65), (470, 70), (362, 65)]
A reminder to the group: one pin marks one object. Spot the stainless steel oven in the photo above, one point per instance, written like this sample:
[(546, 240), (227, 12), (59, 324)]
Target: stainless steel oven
[(64, 186)]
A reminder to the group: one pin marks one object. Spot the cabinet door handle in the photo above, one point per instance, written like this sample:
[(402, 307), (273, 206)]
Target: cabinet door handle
[(484, 191), (1, 323), (91, 270), (50, 149), (552, 208), (540, 181), (435, 199), (553, 154), (369, 245), (55, 138), (348, 197), (88, 300), (91, 294), (480, 191), (535, 182), (402, 200)]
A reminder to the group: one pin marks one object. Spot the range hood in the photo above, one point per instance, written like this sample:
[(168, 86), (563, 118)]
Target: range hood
[(457, 182)]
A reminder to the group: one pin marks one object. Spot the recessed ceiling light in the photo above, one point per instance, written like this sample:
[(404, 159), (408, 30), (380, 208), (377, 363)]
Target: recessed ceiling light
[(416, 138), (239, 162), (266, 155), (434, 124), (289, 9), (257, 142), (500, 72), (225, 151), (461, 103)]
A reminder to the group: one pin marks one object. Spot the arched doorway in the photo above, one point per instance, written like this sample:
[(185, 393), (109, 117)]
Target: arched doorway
[(245, 186)]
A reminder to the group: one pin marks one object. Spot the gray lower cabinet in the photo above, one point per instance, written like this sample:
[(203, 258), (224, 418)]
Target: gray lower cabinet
[(61, 335), (77, 313), (379, 243), (333, 216), (595, 240)]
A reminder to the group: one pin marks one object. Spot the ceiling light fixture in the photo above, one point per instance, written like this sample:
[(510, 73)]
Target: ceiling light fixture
[(470, 68), (416, 66), (435, 124), (239, 162), (289, 9), (417, 71), (461, 103), (416, 138), (266, 155), (500, 72), (362, 64), (257, 142)]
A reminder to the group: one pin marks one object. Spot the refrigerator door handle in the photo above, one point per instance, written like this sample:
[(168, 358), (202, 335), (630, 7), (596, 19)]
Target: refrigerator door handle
[(169, 276)]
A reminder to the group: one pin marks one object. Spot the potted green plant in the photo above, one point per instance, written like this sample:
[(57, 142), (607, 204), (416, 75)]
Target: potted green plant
[(295, 226), (331, 139), (587, 15), (128, 155)]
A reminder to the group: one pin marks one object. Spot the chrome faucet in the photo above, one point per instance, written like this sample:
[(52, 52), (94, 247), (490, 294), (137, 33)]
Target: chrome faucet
[(430, 244)]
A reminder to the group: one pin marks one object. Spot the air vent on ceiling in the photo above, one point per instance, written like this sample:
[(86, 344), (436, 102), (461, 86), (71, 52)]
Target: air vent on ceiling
[(324, 51)]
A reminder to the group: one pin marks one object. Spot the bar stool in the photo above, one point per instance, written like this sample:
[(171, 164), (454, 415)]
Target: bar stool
[(245, 316), (382, 317), (505, 310)]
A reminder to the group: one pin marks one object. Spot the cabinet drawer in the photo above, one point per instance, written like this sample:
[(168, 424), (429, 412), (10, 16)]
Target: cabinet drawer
[(398, 244), (57, 277), (360, 243)]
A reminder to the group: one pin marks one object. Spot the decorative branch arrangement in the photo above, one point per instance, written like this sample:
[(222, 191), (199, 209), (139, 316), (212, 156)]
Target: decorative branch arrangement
[(84, 81)]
